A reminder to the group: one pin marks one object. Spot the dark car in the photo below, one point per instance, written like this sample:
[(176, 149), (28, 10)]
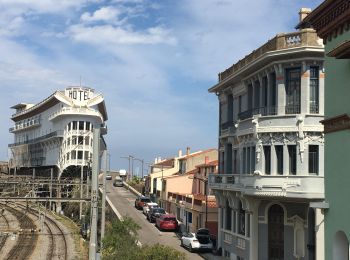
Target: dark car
[(141, 201), (155, 213)]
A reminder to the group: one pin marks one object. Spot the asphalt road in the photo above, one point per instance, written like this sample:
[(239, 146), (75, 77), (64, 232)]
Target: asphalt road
[(123, 200)]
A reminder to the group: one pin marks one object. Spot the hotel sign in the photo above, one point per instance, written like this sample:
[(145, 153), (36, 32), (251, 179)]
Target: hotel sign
[(79, 94)]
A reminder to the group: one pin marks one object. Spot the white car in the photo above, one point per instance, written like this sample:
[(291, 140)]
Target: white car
[(147, 207), (197, 241)]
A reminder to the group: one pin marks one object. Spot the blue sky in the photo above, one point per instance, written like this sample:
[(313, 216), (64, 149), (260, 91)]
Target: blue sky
[(153, 61)]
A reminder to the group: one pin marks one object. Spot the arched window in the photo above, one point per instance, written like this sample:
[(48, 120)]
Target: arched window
[(228, 216), (340, 246)]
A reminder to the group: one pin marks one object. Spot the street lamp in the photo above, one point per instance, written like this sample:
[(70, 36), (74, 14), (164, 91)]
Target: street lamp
[(130, 158), (136, 159)]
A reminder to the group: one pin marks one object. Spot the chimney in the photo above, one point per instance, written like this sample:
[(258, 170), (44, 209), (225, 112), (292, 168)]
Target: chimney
[(188, 149), (303, 13), (206, 159), (180, 153)]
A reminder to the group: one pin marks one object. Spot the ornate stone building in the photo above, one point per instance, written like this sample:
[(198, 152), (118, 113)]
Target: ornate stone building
[(331, 20), (271, 150)]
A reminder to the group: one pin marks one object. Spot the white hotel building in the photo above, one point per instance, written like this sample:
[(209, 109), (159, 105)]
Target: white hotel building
[(271, 148), (56, 132)]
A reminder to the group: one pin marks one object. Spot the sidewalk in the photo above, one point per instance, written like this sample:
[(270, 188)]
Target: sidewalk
[(209, 256)]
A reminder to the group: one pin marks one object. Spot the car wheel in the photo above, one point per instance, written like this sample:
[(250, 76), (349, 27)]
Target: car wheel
[(190, 248), (182, 243)]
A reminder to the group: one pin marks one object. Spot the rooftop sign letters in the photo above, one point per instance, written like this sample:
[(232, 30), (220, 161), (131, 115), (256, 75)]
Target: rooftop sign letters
[(79, 94)]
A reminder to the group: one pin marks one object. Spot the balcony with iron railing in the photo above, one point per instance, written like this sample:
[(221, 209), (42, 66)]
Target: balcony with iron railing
[(227, 128), (288, 186), (75, 111), (264, 111), (25, 125)]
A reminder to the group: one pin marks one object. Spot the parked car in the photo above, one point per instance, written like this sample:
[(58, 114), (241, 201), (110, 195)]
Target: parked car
[(197, 241), (108, 177), (118, 182), (148, 206), (167, 222), (141, 201), (154, 213)]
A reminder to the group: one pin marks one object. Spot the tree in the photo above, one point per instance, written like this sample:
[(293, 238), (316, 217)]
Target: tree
[(120, 242)]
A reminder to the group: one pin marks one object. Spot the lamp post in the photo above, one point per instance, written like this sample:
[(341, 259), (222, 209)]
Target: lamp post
[(130, 158), (142, 161)]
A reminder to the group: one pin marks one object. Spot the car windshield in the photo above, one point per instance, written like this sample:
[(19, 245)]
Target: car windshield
[(145, 200), (158, 210), (169, 219)]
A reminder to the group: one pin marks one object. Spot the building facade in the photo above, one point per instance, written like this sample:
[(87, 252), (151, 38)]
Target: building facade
[(56, 132), (271, 149), (331, 20)]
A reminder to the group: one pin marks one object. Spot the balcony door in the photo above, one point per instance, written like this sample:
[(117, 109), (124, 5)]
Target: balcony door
[(276, 232), (293, 91)]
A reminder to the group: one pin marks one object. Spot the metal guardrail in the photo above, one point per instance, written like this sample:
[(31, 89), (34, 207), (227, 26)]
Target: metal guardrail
[(57, 133)]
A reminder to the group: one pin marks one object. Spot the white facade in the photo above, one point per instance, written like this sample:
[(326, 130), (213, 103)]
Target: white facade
[(271, 150), (58, 130)]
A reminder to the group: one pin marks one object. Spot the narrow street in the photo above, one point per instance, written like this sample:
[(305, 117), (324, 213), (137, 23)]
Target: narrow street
[(123, 200)]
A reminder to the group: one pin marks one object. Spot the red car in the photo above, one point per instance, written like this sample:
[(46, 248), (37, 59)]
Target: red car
[(167, 222)]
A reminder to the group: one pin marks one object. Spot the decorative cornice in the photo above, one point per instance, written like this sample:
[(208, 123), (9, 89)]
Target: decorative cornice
[(335, 124), (329, 19)]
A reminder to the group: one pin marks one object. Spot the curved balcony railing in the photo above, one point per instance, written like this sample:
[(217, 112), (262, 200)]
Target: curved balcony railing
[(75, 110), (25, 125), (292, 186), (264, 111)]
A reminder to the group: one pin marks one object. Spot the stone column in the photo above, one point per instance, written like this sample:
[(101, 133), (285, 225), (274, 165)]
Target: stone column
[(281, 92), (321, 91), (285, 160), (319, 223), (273, 160)]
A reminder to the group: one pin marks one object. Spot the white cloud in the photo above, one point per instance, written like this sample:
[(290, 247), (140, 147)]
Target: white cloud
[(109, 35), (106, 13)]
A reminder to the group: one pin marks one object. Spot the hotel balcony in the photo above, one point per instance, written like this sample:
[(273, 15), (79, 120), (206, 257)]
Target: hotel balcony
[(75, 111), (25, 125), (52, 135), (287, 186)]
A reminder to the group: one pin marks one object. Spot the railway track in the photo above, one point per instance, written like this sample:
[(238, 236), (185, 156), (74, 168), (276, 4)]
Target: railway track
[(3, 238), (27, 239), (57, 245)]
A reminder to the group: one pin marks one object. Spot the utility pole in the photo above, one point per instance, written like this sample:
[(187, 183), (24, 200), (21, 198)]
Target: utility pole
[(104, 198), (94, 192)]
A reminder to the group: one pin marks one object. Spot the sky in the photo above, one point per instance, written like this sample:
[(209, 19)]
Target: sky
[(153, 61)]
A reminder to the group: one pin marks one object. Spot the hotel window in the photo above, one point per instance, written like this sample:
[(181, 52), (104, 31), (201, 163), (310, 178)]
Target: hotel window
[(80, 140), (73, 155), (74, 140), (292, 91), (264, 95), (313, 159), (250, 97), (68, 141), (235, 168), (87, 138), (228, 225), (81, 125), (241, 220), (257, 94), (314, 90), (67, 156), (248, 160), (239, 104), (86, 155), (279, 155), (69, 126), (267, 155), (87, 125), (292, 152), (252, 159), (244, 160), (75, 125), (80, 155), (273, 89), (230, 108), (234, 221)]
